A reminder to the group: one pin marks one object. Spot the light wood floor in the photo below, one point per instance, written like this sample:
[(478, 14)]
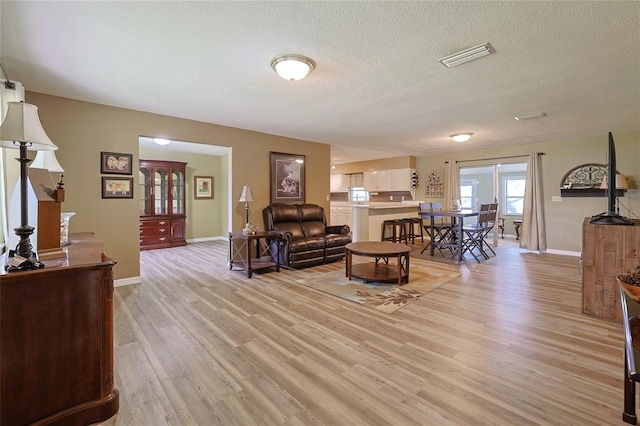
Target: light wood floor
[(503, 344)]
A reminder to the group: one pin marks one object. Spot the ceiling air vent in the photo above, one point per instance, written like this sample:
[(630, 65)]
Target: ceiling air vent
[(467, 55)]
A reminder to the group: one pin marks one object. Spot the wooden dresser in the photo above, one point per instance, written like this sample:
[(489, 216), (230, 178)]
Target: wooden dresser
[(162, 204), (56, 330), (607, 251)]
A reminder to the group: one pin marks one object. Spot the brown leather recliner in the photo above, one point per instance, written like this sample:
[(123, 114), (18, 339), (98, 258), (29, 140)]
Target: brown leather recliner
[(307, 241)]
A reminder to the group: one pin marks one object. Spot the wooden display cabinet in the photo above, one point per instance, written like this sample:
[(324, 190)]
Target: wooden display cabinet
[(162, 204)]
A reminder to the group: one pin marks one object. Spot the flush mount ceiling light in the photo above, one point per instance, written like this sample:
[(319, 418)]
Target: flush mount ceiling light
[(161, 141), (292, 67), (461, 137), (530, 116), (467, 55)]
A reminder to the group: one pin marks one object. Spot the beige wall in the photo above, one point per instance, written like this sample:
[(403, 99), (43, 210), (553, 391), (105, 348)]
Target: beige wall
[(563, 219), (81, 130), (406, 162), (206, 218)]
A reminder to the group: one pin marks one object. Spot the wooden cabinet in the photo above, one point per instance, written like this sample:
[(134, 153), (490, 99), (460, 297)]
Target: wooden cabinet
[(162, 204), (56, 328), (607, 251)]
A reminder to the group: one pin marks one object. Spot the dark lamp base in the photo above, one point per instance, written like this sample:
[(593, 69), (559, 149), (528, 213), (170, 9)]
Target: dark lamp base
[(29, 263)]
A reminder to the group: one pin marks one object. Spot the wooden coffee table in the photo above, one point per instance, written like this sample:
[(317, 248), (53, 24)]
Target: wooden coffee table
[(380, 250)]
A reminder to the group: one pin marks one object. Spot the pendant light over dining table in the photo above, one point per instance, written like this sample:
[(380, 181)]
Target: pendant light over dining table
[(292, 67)]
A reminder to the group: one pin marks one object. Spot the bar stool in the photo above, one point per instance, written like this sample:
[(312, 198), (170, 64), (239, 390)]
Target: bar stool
[(398, 230), (411, 226)]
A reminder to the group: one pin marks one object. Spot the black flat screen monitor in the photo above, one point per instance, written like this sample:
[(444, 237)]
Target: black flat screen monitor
[(610, 217)]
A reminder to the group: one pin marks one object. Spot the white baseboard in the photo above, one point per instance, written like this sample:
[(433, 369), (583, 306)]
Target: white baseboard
[(202, 240), (127, 281), (554, 251), (564, 252)]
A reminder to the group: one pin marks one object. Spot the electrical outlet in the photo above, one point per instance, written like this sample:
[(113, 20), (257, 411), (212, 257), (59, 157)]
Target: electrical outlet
[(556, 198), (390, 197), (328, 197)]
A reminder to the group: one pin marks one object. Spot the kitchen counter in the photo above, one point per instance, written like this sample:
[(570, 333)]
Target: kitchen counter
[(368, 218), (376, 205)]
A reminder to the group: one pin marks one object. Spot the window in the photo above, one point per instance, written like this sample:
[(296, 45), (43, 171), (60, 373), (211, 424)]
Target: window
[(357, 193), (468, 190), (514, 195)]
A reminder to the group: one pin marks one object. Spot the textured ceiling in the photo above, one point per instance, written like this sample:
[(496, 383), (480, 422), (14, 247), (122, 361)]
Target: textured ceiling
[(378, 89)]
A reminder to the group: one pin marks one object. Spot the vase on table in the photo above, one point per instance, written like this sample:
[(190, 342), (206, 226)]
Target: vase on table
[(64, 228)]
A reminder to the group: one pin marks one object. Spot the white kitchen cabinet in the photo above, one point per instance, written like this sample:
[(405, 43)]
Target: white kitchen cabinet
[(339, 183), (378, 180), (371, 181), (388, 180), (400, 180), (341, 216)]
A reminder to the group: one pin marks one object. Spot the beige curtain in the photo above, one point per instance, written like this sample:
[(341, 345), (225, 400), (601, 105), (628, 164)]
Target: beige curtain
[(452, 191), (534, 235)]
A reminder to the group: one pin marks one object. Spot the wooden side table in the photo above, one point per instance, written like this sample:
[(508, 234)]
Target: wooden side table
[(501, 227), (517, 224), (242, 253)]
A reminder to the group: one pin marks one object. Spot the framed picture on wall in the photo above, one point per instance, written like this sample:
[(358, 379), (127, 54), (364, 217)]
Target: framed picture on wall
[(287, 178), (116, 187), (202, 187), (115, 163)]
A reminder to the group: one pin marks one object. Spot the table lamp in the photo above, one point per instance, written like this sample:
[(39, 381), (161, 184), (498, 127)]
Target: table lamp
[(47, 160), (246, 197), (21, 129)]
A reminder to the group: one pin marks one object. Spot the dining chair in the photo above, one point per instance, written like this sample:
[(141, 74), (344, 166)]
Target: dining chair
[(473, 236), (492, 219), (442, 230)]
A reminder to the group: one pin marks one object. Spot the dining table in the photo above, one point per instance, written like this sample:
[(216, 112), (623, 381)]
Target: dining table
[(454, 243)]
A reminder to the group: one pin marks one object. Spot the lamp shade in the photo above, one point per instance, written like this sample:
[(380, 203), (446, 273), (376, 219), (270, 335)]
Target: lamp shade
[(246, 194), (621, 182), (22, 124), (47, 160), (292, 67)]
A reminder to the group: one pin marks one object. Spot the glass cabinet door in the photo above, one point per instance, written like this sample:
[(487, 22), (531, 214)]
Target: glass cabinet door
[(161, 191), (177, 192), (144, 193), (162, 205)]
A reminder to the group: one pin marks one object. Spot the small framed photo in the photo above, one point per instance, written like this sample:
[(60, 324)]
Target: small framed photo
[(115, 187), (202, 187), (287, 178), (115, 163)]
